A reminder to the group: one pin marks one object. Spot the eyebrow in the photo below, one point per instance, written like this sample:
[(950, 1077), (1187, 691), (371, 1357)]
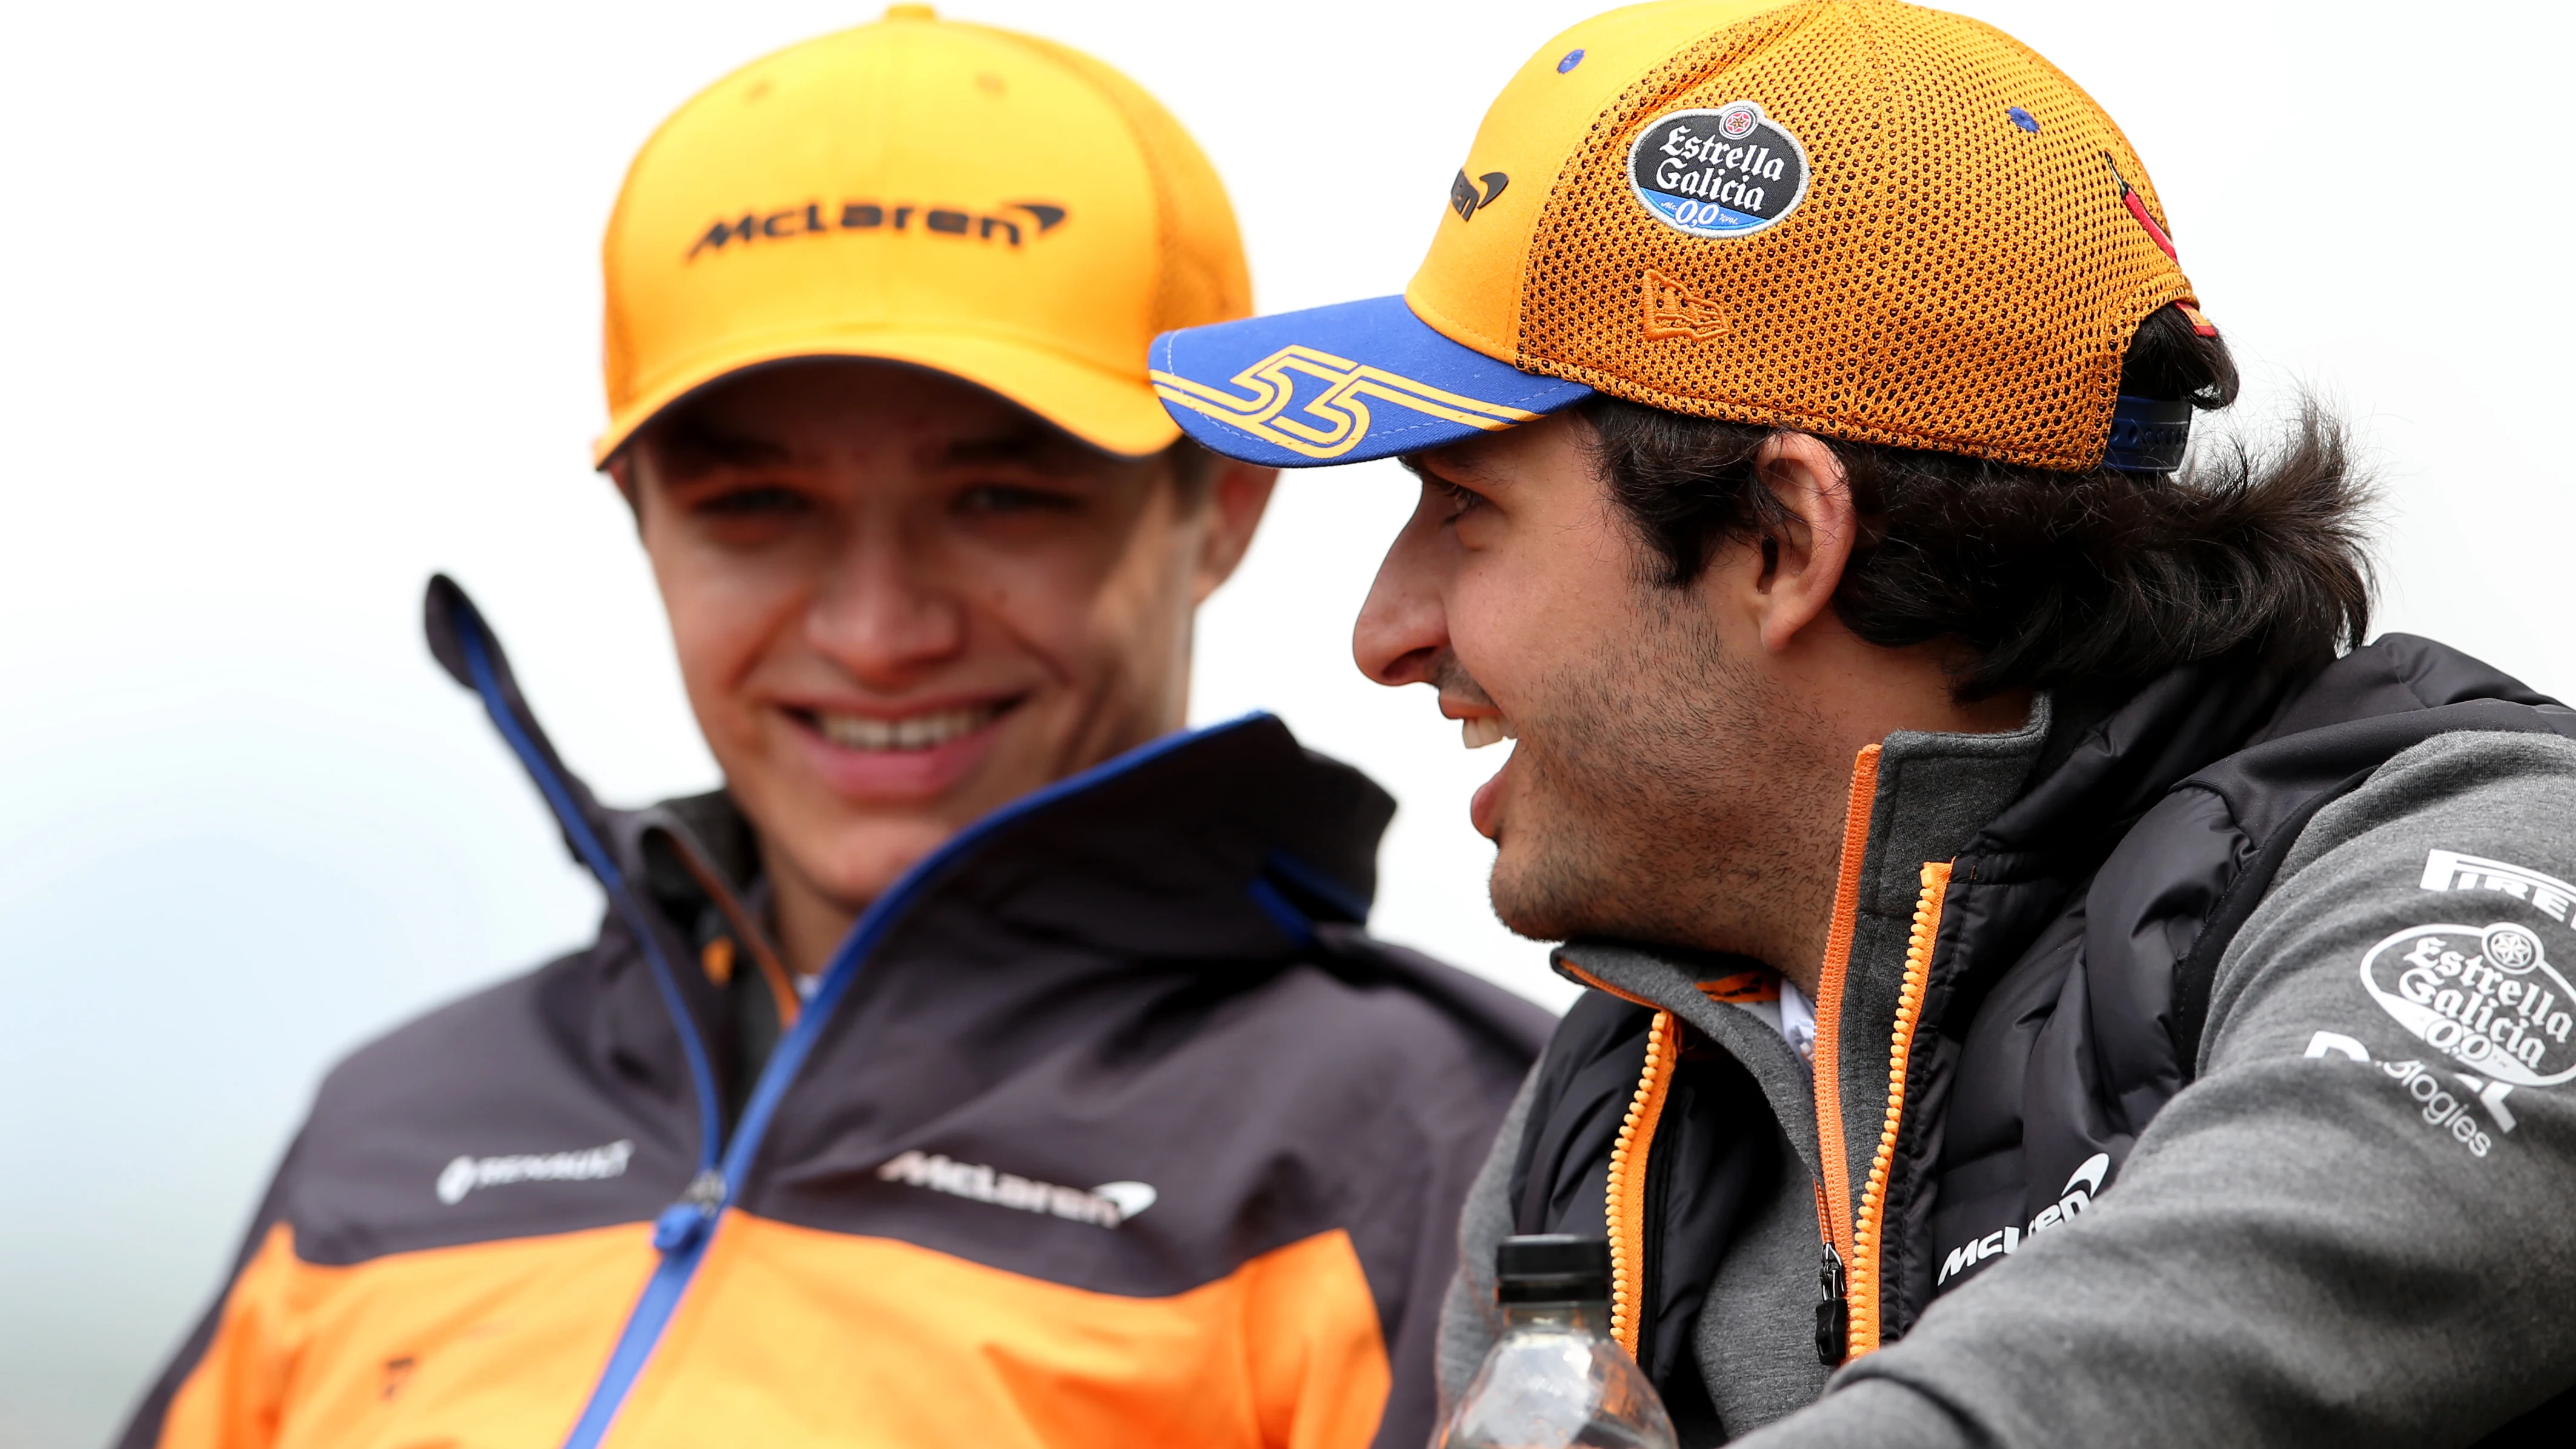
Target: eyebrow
[(1445, 465), (1035, 446), (689, 444)]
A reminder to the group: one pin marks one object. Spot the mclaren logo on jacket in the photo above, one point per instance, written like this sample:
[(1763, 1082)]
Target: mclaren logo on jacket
[(2073, 1201), (1108, 1205)]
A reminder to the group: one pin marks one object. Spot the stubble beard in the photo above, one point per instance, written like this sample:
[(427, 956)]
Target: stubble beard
[(1669, 796)]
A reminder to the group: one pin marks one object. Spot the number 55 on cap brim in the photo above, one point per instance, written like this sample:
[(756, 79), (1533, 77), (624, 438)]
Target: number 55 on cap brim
[(1341, 384)]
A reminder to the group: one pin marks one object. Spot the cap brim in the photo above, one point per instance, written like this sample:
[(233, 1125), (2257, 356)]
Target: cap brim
[(1115, 412), (1341, 384)]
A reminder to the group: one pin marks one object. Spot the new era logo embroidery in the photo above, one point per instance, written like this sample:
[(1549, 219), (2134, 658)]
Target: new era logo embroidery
[(1674, 310)]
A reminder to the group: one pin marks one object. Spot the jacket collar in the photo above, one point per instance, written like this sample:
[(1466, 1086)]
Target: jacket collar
[(1209, 847), (1224, 843)]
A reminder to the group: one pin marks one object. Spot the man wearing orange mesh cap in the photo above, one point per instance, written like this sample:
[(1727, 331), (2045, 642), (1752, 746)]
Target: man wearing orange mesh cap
[(2050, 982), (991, 1062)]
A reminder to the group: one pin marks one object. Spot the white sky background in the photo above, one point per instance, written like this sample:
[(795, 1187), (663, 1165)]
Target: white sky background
[(298, 303)]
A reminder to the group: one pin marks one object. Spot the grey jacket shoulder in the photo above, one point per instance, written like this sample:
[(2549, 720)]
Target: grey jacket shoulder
[(2483, 817), (2349, 1229)]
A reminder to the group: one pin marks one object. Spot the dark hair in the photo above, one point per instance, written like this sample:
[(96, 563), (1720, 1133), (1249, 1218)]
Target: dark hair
[(2048, 578)]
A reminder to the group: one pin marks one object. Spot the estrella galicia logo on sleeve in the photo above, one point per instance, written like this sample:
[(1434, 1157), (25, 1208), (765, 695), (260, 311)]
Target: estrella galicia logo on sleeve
[(2485, 995), (1727, 172)]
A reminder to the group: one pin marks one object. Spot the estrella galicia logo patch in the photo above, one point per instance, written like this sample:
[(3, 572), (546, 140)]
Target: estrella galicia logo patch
[(1727, 172), (2484, 995)]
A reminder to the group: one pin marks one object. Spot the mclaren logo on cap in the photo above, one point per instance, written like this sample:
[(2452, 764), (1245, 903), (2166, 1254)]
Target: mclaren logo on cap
[(1340, 412), (815, 219), (1466, 200), (1726, 172)]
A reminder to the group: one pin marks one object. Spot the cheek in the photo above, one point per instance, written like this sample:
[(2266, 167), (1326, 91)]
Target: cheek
[(726, 616), (1552, 605), (1509, 635), (1100, 613)]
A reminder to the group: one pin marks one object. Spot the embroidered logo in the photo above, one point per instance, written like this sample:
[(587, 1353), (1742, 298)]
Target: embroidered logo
[(1106, 1206), (1270, 410), (2485, 996), (1466, 200), (589, 1164), (815, 218), (1674, 310), (1727, 172)]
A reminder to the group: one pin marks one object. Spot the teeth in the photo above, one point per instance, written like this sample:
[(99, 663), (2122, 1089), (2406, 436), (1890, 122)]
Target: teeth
[(1483, 730), (913, 732)]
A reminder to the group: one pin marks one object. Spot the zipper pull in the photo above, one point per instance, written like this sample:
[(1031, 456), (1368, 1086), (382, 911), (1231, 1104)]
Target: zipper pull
[(1833, 1311), (684, 1224)]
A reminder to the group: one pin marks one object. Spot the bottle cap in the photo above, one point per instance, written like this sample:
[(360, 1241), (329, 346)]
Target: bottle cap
[(1552, 1268)]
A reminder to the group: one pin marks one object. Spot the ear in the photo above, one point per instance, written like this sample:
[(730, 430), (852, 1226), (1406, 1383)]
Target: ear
[(620, 469), (1804, 554), (1237, 497)]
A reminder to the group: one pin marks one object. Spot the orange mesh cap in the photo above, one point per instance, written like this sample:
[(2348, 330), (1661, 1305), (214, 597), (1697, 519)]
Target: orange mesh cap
[(972, 200), (1858, 218)]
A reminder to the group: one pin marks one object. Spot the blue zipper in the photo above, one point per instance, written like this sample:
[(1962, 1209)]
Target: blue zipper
[(682, 1232), (586, 844)]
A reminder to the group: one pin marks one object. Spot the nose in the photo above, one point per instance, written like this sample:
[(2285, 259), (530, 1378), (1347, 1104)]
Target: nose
[(1403, 629), (882, 613)]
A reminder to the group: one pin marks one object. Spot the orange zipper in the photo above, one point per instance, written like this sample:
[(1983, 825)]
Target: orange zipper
[(1626, 1208), (1837, 1203), (1851, 1235), (1867, 1237)]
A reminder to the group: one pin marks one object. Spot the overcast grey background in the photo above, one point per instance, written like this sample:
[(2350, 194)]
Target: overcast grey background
[(298, 303)]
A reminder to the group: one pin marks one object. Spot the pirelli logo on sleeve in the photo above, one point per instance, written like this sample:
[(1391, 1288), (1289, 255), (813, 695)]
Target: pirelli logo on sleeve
[(2449, 870)]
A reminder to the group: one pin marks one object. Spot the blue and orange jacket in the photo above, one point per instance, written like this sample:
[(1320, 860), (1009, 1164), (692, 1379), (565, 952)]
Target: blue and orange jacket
[(1106, 1126)]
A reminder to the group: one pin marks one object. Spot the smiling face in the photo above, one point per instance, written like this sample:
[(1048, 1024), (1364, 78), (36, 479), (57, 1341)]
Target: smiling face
[(1668, 782), (900, 601)]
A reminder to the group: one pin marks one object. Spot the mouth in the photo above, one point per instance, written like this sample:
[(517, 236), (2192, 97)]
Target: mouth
[(909, 734), (1484, 808), (876, 760)]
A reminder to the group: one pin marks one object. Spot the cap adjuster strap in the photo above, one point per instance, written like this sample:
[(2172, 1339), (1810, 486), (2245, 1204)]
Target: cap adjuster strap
[(2148, 435)]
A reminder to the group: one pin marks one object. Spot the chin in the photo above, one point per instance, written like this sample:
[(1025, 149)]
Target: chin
[(1528, 906), (854, 862)]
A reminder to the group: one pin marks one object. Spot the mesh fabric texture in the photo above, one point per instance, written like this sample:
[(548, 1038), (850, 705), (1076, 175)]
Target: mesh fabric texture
[(1952, 280)]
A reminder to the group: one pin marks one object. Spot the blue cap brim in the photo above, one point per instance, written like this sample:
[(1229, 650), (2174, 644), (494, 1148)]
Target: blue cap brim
[(1341, 384)]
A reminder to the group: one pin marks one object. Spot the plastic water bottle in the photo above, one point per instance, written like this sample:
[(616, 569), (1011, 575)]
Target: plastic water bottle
[(1556, 1379)]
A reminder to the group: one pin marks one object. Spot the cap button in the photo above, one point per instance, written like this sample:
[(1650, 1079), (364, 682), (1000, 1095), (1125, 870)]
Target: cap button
[(910, 12)]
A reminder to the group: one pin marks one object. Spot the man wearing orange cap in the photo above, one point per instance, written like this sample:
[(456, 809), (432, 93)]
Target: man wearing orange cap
[(2050, 983), (989, 1063)]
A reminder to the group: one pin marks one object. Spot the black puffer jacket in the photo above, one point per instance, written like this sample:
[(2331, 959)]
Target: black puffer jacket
[(2027, 929)]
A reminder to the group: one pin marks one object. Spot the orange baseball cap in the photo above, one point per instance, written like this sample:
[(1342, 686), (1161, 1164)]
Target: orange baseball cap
[(953, 196), (1857, 218)]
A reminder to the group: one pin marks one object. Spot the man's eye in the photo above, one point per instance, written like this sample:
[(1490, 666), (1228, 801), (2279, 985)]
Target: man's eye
[(1009, 499), (1461, 500), (754, 502)]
